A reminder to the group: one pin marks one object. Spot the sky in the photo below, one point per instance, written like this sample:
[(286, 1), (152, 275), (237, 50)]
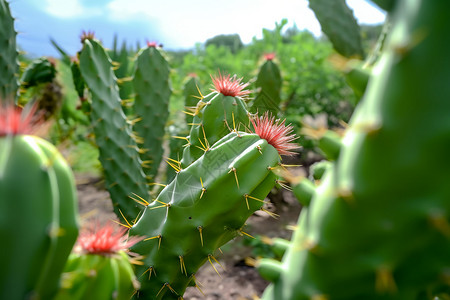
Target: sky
[(177, 24)]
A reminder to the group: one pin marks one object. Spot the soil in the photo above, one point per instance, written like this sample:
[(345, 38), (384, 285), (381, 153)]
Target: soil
[(238, 280)]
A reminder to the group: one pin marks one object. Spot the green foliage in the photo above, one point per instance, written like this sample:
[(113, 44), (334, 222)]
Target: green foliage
[(231, 41)]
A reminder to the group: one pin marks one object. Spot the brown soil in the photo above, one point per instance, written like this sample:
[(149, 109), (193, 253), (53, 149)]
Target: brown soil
[(237, 280)]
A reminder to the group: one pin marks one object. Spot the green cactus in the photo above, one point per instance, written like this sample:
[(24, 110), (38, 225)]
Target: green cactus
[(119, 154), (9, 62), (206, 205), (339, 24), (38, 220), (378, 226), (151, 105), (216, 115), (100, 268), (38, 71), (269, 82)]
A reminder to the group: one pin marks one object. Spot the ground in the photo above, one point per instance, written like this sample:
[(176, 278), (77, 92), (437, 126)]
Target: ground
[(237, 280)]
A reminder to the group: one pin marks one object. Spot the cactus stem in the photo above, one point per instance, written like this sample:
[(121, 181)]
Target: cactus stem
[(182, 265), (385, 281), (140, 200), (233, 169)]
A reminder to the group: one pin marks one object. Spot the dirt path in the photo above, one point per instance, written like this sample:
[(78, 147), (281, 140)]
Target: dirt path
[(237, 281)]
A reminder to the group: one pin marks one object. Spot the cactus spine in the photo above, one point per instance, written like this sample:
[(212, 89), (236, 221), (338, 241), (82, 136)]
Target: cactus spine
[(378, 225)]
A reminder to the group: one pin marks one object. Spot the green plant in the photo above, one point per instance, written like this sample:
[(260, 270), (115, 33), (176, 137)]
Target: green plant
[(378, 225), (38, 209)]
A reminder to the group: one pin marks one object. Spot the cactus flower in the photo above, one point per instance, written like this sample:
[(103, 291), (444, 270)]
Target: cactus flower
[(105, 240), (229, 85), (276, 133), (15, 121)]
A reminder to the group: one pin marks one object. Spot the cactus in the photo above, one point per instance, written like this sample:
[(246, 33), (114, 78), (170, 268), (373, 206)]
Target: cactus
[(9, 63), (38, 71), (38, 210), (151, 105), (119, 154), (216, 114), (339, 24), (205, 206), (378, 225), (269, 82), (100, 268)]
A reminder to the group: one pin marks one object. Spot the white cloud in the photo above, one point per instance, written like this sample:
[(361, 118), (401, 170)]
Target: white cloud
[(69, 9), (184, 22)]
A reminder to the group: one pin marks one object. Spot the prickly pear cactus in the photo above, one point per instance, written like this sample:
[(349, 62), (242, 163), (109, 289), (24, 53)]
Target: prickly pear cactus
[(378, 226), (205, 206), (119, 153), (9, 63), (38, 219), (100, 267), (269, 83), (151, 105), (216, 115)]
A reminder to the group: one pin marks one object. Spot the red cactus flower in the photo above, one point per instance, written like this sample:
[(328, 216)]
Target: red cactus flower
[(16, 121), (152, 44), (269, 56), (105, 240), (229, 86), (276, 133)]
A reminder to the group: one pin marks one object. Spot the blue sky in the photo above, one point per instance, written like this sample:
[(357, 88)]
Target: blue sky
[(178, 24)]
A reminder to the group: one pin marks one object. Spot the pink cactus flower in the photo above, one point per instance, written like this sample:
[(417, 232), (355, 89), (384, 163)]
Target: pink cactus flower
[(16, 121), (105, 240), (229, 86), (276, 133), (269, 56)]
